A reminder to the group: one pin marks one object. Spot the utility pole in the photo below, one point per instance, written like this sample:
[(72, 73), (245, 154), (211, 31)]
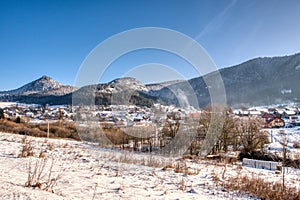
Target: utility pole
[(284, 151), (271, 136), (48, 129)]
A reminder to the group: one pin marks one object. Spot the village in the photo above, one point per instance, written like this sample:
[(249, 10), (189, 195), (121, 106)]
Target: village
[(132, 115), (155, 127)]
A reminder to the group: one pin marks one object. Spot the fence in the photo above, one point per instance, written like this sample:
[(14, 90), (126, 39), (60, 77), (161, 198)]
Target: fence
[(261, 164)]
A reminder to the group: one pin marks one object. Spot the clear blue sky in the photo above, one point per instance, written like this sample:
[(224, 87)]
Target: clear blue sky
[(53, 37)]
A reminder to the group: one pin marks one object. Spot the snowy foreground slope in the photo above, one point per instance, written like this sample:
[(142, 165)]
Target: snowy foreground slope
[(85, 172)]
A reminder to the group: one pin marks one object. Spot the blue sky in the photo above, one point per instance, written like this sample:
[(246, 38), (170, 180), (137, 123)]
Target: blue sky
[(53, 37)]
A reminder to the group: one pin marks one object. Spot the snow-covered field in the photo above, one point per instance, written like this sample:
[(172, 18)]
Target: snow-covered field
[(285, 136), (88, 172)]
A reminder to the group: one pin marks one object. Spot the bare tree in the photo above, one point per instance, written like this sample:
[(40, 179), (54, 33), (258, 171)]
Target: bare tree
[(240, 133), (228, 128), (172, 124), (228, 136), (250, 135)]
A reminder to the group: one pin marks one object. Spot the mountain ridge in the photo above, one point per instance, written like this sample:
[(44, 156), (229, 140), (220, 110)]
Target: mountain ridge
[(259, 81)]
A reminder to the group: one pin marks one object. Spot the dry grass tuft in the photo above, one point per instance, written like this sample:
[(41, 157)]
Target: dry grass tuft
[(181, 167), (27, 148), (182, 184), (296, 144)]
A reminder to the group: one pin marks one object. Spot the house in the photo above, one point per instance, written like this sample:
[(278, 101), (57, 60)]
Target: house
[(29, 114), (290, 112), (268, 117), (272, 121), (275, 123), (283, 112), (295, 120)]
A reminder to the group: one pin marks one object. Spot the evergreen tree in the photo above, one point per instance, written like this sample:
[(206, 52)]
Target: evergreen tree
[(1, 113)]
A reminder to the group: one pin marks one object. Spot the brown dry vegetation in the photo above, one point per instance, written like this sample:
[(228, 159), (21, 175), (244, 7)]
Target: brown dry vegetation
[(104, 136), (259, 188), (57, 129), (114, 136)]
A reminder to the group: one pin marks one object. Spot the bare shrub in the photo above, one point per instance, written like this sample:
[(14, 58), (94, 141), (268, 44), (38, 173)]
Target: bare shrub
[(153, 162), (41, 154), (65, 145), (41, 176), (182, 184), (181, 167), (27, 148), (50, 146), (94, 193), (296, 144), (127, 158)]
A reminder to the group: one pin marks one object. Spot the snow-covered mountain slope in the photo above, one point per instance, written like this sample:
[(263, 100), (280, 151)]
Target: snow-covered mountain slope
[(260, 81), (158, 86), (42, 86)]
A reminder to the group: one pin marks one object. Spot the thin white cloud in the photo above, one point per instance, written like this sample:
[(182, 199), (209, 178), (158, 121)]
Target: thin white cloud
[(217, 21)]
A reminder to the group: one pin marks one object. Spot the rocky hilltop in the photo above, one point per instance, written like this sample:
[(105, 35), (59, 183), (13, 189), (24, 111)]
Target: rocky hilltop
[(42, 86)]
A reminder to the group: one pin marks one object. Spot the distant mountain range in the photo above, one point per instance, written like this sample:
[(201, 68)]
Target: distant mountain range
[(259, 81)]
